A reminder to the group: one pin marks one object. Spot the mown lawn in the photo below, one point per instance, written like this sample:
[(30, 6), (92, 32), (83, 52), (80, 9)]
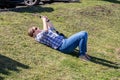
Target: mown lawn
[(21, 58)]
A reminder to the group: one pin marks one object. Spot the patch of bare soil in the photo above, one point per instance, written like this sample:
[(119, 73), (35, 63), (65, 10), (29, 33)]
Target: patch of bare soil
[(98, 10)]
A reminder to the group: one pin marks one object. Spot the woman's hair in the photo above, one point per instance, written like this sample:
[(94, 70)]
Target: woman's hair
[(30, 32)]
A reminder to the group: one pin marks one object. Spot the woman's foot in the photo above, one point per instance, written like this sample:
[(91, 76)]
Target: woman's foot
[(88, 56), (84, 58)]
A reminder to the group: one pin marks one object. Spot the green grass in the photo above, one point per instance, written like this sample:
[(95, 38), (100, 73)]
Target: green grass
[(22, 58)]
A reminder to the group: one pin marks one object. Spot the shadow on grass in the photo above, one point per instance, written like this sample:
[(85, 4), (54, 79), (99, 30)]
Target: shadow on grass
[(74, 54), (1, 78), (113, 1), (8, 64), (105, 62), (31, 9), (98, 60)]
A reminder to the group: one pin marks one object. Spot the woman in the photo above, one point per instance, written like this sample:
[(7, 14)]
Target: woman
[(50, 37)]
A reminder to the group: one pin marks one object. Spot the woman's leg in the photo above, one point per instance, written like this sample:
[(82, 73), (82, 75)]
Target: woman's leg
[(77, 40), (83, 44)]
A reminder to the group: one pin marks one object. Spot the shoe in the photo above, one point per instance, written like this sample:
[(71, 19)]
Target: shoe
[(88, 56), (84, 58)]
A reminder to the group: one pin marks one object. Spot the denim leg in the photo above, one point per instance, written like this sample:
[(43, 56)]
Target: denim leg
[(77, 40), (83, 43)]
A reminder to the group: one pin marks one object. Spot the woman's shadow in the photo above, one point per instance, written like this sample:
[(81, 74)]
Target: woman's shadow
[(100, 61), (7, 64)]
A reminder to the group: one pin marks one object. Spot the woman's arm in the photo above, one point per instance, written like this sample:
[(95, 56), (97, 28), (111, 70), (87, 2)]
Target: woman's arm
[(47, 24), (44, 19)]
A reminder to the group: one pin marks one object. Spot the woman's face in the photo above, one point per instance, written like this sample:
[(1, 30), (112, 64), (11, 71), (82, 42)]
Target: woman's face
[(35, 31)]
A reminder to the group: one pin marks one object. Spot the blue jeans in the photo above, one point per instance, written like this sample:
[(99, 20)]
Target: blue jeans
[(77, 40)]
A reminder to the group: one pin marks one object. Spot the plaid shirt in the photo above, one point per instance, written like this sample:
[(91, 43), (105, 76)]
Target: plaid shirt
[(50, 38)]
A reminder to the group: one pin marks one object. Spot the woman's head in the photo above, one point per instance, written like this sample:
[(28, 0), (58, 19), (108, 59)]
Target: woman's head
[(33, 31)]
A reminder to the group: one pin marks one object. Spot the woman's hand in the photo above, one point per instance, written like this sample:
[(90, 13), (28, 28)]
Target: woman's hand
[(45, 18)]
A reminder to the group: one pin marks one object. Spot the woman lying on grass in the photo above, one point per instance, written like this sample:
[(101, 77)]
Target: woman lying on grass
[(50, 37)]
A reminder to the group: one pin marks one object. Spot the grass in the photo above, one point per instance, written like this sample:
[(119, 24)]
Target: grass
[(21, 58)]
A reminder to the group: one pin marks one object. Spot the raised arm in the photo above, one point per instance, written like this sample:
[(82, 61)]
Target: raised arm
[(47, 24), (44, 19)]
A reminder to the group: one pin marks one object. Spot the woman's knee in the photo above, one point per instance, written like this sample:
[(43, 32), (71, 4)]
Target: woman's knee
[(84, 33)]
